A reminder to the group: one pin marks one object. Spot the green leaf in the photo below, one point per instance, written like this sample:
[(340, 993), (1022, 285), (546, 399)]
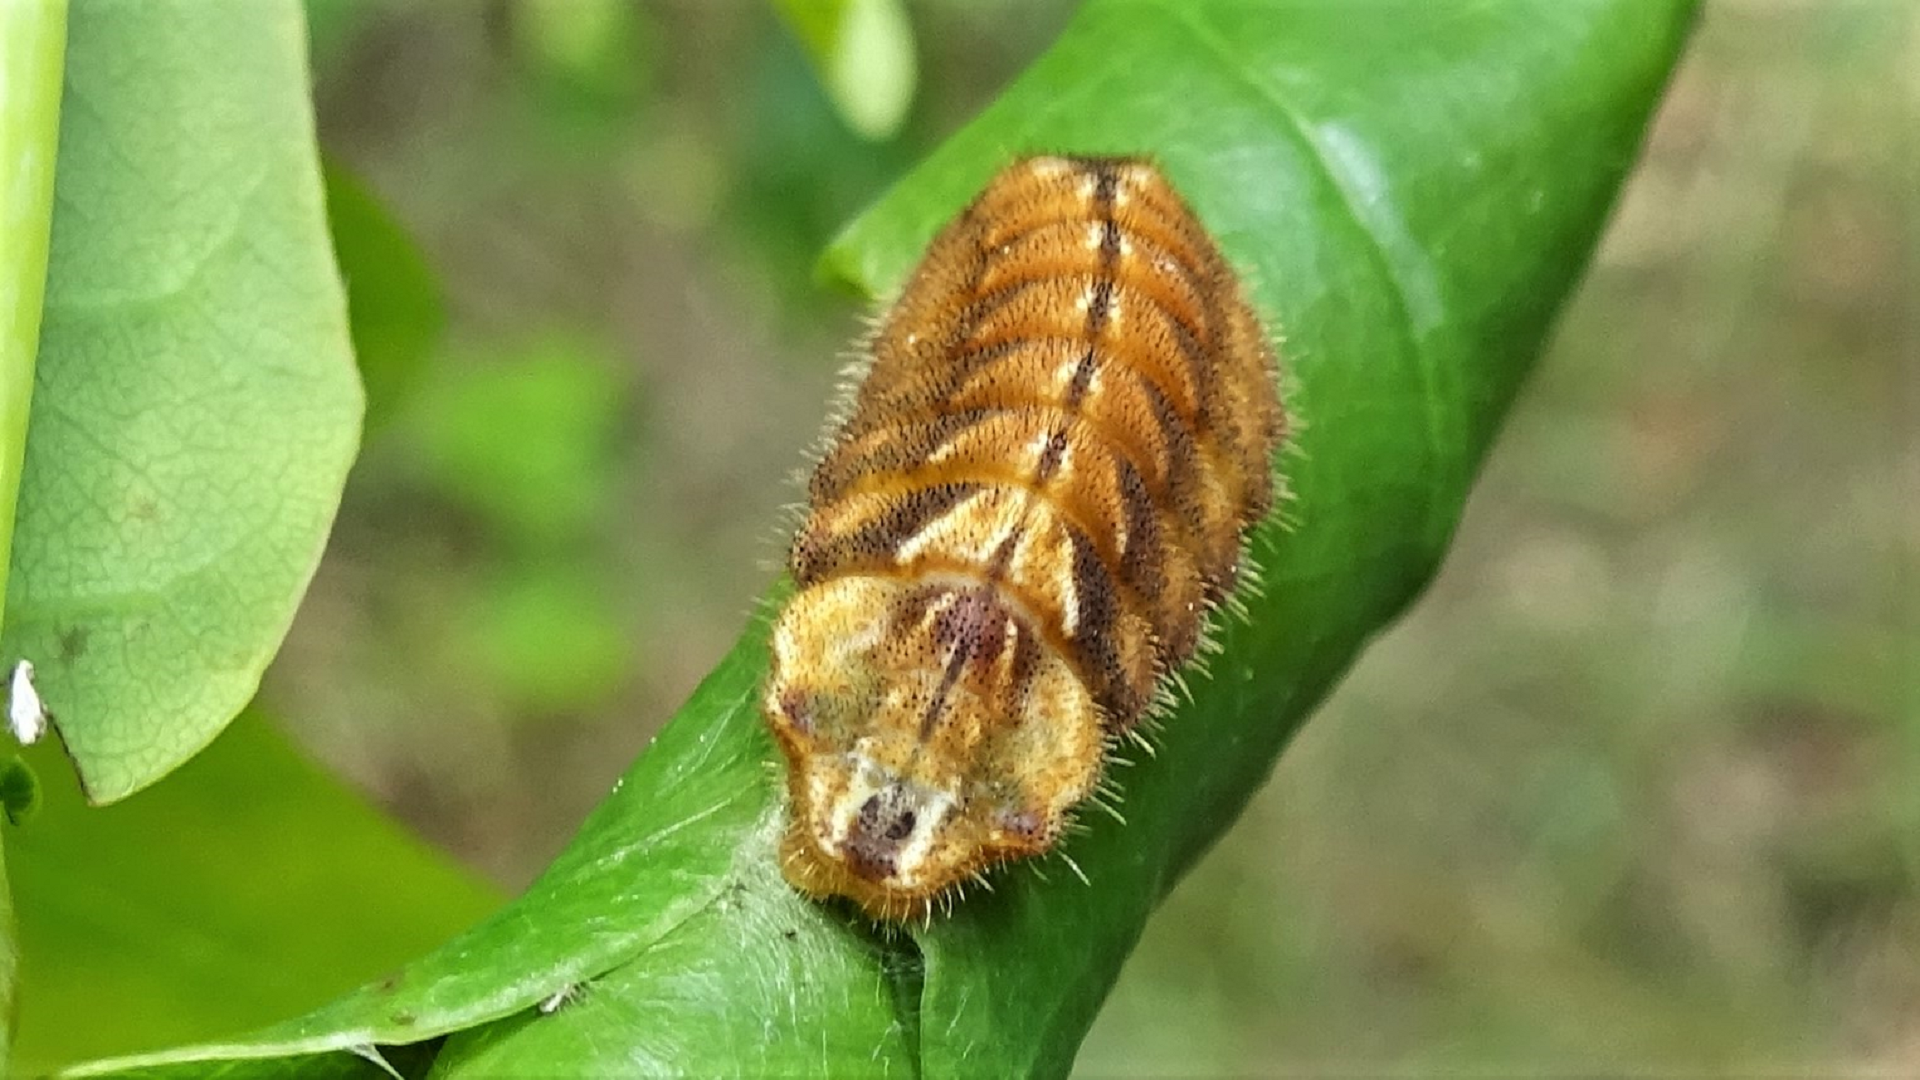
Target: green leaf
[(757, 985), (863, 51), (32, 49), (1411, 198), (685, 830), (197, 407), (393, 300), (248, 887)]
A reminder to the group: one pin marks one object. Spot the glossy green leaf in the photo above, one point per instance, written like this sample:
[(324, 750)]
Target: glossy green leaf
[(688, 827), (1411, 194), (196, 408), (248, 887), (777, 991)]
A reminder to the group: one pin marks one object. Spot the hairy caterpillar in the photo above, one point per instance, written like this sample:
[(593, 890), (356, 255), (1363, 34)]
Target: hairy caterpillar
[(1015, 539)]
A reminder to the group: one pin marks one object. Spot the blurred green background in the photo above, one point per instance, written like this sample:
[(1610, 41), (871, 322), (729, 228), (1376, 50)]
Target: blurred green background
[(1633, 789)]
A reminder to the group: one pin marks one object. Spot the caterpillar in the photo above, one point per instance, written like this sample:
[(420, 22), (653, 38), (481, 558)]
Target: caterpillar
[(1039, 494)]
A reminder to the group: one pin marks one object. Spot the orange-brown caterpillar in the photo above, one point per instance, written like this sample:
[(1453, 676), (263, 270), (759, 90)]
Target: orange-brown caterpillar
[(1039, 496)]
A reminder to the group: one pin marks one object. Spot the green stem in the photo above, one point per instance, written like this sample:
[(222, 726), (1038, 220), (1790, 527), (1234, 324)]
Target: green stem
[(33, 36)]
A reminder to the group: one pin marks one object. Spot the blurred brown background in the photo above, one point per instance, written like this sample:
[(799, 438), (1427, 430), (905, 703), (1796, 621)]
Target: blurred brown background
[(1633, 790)]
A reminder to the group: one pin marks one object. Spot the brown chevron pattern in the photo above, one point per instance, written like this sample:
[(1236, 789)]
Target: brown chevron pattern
[(1039, 495)]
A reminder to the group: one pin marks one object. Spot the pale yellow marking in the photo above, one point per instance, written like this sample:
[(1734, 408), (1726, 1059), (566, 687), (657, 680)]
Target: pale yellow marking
[(1030, 562), (951, 532), (817, 783), (1069, 592), (865, 782), (1063, 474), (930, 814), (1129, 181), (1049, 166), (1063, 377), (934, 611), (1003, 663), (1037, 448)]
